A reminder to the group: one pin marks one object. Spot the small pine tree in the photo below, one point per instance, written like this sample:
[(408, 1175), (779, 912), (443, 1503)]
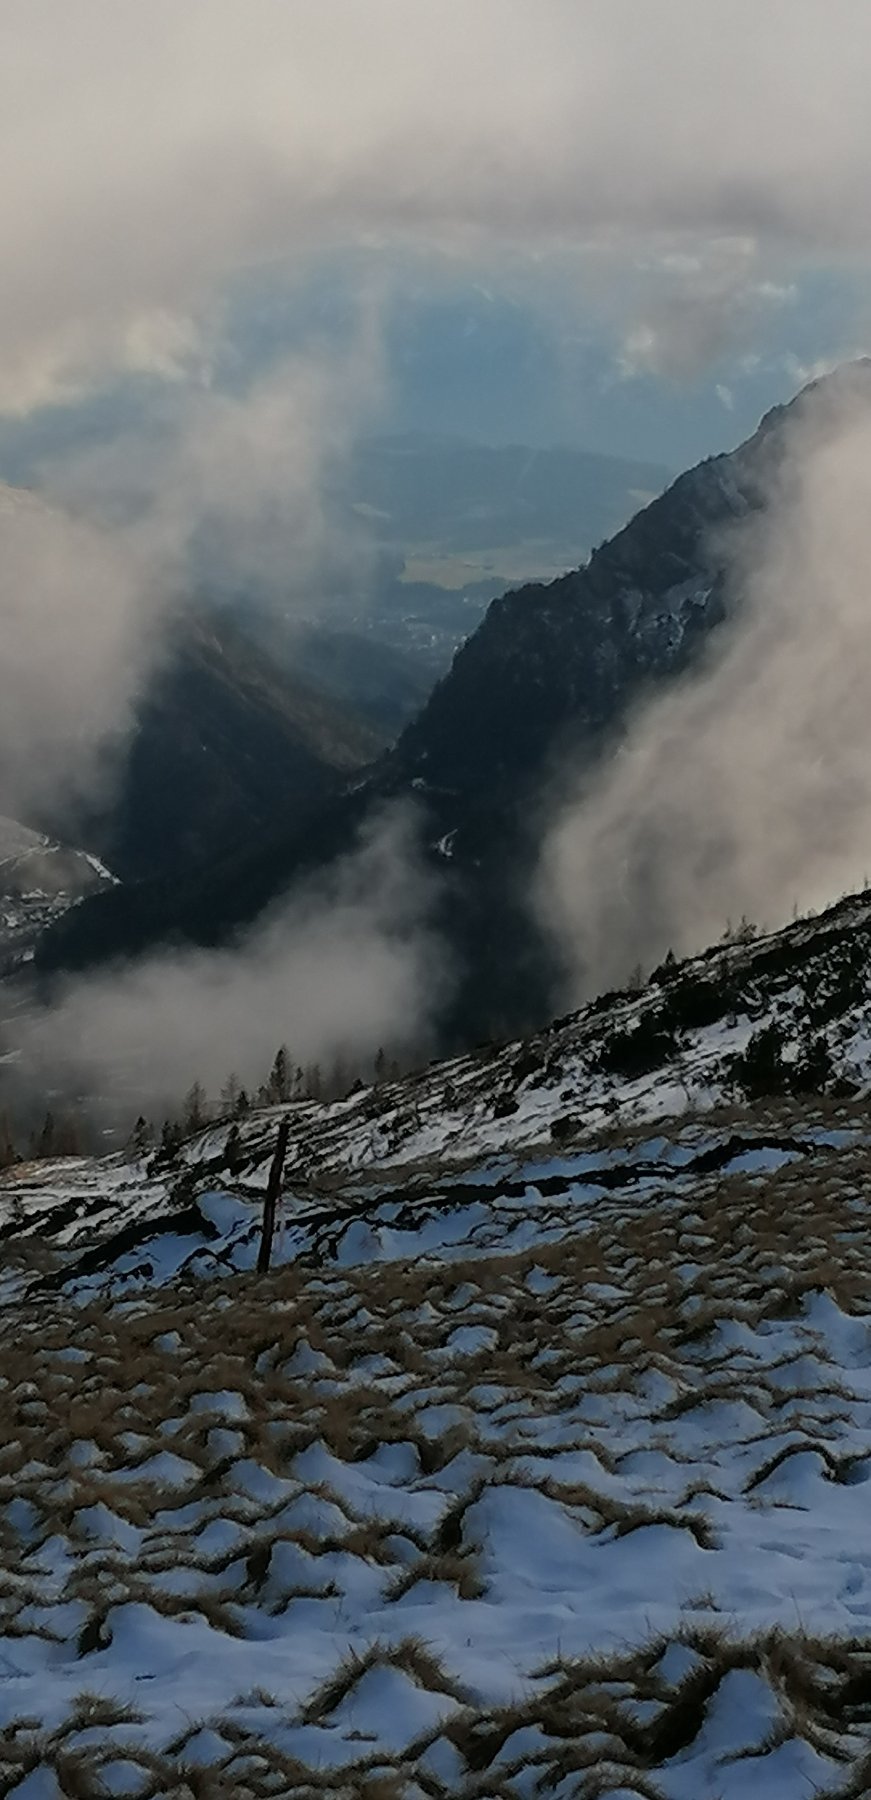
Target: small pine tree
[(278, 1085), (141, 1138), (46, 1143), (234, 1153), (8, 1153), (230, 1095), (170, 1138), (760, 1069), (195, 1109)]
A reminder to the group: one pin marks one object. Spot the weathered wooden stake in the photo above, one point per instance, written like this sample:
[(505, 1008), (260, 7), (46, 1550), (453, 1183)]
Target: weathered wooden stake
[(273, 1189)]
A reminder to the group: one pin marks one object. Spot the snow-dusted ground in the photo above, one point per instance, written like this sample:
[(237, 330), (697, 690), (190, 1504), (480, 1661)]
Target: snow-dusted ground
[(547, 1475), (585, 1073), (539, 1464), (39, 881)]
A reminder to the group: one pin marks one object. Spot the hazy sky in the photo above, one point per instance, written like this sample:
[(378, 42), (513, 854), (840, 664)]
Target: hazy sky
[(630, 224)]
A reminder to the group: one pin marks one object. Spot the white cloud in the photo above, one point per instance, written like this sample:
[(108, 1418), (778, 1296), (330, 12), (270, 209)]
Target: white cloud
[(698, 308), (747, 788), (235, 495), (150, 154), (350, 963)]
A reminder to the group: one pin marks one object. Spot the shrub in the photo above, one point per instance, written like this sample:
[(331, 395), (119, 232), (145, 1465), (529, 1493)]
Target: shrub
[(641, 1049)]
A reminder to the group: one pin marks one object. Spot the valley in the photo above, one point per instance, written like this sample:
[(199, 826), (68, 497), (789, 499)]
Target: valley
[(550, 680)]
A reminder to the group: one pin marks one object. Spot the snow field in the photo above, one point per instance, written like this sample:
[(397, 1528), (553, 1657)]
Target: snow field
[(574, 1510)]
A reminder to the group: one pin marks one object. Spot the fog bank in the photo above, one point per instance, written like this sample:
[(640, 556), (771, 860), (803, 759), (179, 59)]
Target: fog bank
[(746, 788)]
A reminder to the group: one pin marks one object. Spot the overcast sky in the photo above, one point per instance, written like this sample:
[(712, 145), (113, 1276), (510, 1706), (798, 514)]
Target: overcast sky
[(630, 224)]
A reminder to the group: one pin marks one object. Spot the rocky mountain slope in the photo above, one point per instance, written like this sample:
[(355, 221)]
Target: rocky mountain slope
[(537, 1464), (551, 674), (226, 748)]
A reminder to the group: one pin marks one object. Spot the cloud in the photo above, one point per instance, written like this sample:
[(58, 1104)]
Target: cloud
[(231, 487), (232, 496), (148, 164), (746, 789), (154, 154), (149, 160), (80, 623), (350, 963), (700, 308)]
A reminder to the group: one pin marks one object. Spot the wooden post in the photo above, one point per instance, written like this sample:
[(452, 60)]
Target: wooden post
[(273, 1189)]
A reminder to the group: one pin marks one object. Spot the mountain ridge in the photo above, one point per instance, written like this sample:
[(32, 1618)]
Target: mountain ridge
[(223, 745), (549, 677)]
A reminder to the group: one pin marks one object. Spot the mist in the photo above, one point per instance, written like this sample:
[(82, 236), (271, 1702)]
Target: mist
[(350, 964), (232, 499), (155, 167), (745, 790), (157, 160), (154, 160), (81, 620)]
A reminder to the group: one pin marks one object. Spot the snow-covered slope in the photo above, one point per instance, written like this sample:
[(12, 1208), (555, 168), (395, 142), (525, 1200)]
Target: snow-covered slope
[(39, 881), (536, 1466)]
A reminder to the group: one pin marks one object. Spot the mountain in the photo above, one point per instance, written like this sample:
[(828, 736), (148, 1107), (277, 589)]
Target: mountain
[(40, 879), (442, 525), (358, 671), (535, 1465), (225, 748), (552, 673), (444, 499)]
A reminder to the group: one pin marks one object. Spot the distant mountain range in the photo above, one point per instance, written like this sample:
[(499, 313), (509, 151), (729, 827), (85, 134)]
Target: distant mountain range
[(466, 499), (552, 670), (444, 526)]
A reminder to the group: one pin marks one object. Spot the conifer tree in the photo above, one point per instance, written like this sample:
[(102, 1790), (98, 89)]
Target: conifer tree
[(141, 1137), (230, 1095), (194, 1109), (234, 1153), (278, 1085), (8, 1153), (170, 1138)]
